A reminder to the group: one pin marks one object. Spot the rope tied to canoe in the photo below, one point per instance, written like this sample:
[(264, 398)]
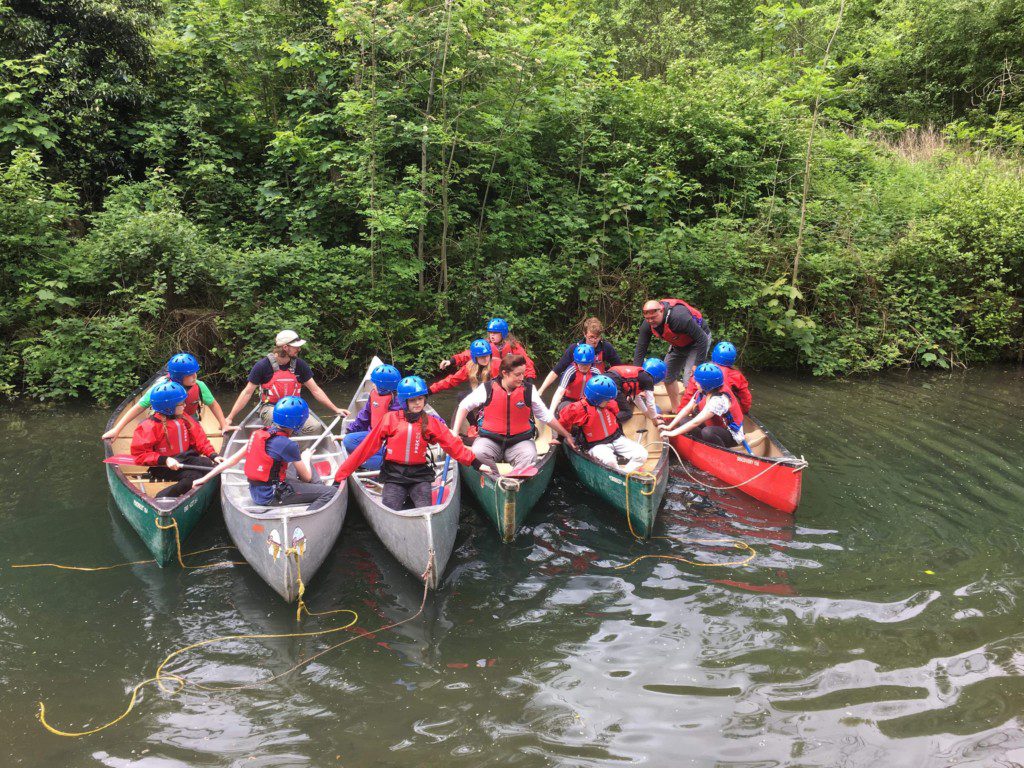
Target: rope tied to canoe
[(793, 463), (162, 678), (736, 543)]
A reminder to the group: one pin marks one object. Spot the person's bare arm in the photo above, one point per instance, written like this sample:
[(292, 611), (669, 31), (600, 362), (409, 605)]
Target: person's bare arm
[(548, 381), (322, 398), (115, 431), (240, 402)]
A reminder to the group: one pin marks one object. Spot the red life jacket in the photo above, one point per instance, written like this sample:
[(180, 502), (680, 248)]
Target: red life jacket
[(599, 362), (628, 379), (379, 405), (733, 420), (282, 384), (405, 443), (507, 417), (666, 333), (260, 466), (574, 390), (176, 437), (601, 426), (193, 403)]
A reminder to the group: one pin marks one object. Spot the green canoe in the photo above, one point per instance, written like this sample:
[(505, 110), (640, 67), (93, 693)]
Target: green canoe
[(506, 502), (135, 494), (646, 487)]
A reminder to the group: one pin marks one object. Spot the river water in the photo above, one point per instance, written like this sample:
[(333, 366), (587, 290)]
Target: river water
[(879, 626)]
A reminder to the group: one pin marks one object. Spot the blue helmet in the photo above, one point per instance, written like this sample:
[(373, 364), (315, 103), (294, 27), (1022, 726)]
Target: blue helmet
[(411, 386), (708, 376), (600, 389), (724, 353), (583, 354), (498, 325), (480, 348), (657, 368), (385, 378), (290, 412), (165, 397), (181, 365)]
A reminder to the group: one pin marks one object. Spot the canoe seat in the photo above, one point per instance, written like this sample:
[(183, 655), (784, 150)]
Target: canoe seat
[(152, 488)]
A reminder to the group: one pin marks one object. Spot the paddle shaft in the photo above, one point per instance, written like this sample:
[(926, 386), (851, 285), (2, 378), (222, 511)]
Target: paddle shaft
[(444, 479)]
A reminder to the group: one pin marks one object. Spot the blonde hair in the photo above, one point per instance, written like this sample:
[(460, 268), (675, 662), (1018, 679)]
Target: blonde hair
[(478, 374), (593, 325)]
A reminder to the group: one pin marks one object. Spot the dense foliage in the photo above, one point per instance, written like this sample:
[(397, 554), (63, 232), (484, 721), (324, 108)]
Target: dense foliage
[(837, 183)]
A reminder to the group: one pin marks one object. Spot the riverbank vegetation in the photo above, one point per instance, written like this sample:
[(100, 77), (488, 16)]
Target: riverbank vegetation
[(837, 184)]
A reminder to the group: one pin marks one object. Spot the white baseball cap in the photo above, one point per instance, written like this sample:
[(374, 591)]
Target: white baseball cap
[(291, 338)]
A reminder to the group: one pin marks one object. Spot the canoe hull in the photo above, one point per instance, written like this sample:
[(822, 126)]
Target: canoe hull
[(285, 549), (645, 494), (413, 535), (283, 544), (142, 513), (775, 482), (507, 503)]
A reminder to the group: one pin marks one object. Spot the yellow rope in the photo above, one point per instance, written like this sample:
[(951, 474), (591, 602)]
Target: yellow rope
[(645, 475), (160, 678), (679, 558)]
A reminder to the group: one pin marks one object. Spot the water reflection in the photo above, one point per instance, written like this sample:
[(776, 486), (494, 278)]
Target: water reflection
[(879, 626)]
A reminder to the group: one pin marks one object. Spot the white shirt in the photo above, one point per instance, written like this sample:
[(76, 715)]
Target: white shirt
[(478, 397), (719, 406)]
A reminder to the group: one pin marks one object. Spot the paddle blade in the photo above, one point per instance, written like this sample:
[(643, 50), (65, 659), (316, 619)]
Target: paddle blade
[(520, 474), (120, 458), (323, 468)]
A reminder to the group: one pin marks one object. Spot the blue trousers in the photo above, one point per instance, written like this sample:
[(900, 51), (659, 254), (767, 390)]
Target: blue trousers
[(353, 440)]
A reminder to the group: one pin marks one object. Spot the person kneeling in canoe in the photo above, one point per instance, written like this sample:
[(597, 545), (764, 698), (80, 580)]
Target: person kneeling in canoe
[(724, 355), (593, 420), (268, 456), (570, 388), (635, 385), (507, 410), (171, 443), (475, 372), (407, 473), (718, 418), (183, 369), (381, 401)]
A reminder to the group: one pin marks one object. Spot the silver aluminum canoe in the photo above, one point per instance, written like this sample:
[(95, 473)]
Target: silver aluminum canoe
[(416, 537), (283, 544)]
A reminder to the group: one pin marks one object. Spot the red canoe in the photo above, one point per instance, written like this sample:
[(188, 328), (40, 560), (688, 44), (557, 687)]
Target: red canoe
[(772, 475)]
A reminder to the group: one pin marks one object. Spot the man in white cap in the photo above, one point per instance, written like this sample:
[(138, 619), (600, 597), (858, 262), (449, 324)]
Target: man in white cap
[(280, 374)]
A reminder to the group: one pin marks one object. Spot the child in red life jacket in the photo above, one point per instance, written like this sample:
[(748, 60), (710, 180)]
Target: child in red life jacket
[(598, 430), (502, 343), (724, 355), (269, 454), (169, 439), (382, 398), (408, 473), (718, 419), (183, 369), (574, 379)]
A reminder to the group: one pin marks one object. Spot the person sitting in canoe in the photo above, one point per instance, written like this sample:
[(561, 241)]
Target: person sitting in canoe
[(685, 330), (382, 399), (183, 369), (475, 372), (593, 421), (724, 355), (570, 388), (718, 418), (170, 439), (507, 408), (271, 452), (282, 373), (605, 355), (502, 343), (407, 473), (635, 385)]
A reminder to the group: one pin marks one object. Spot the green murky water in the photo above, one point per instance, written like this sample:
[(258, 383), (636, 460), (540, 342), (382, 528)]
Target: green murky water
[(879, 626)]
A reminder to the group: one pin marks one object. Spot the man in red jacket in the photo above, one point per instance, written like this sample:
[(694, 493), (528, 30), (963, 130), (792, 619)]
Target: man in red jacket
[(169, 439)]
